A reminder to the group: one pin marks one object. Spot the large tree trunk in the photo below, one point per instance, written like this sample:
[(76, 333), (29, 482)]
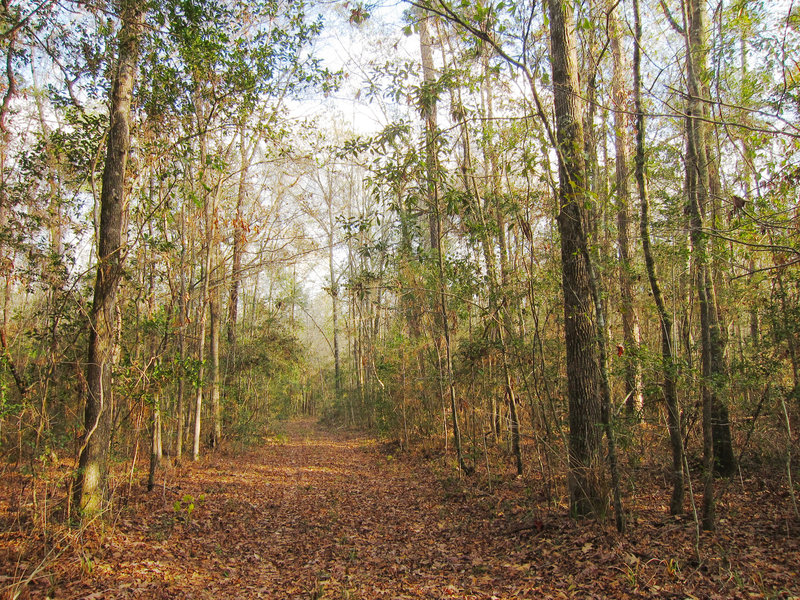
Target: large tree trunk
[(93, 465), (587, 494)]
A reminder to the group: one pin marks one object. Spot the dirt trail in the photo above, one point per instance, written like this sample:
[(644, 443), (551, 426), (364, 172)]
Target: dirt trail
[(319, 515), (315, 514)]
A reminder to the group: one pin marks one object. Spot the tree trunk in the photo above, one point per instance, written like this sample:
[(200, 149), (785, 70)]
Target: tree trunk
[(667, 349), (183, 316), (724, 459), (93, 465), (498, 312), (201, 338), (216, 406), (238, 244), (697, 185), (630, 324), (198, 398), (428, 110), (155, 441), (337, 369), (587, 495)]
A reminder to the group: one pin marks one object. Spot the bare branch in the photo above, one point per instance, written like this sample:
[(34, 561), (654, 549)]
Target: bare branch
[(675, 25)]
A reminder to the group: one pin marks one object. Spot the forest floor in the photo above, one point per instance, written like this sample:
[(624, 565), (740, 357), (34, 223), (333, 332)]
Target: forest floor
[(327, 514)]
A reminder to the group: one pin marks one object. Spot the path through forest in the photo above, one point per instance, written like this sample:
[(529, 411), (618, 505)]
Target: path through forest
[(314, 514), (319, 514)]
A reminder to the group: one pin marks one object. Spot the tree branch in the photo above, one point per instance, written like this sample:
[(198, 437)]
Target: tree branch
[(680, 30)]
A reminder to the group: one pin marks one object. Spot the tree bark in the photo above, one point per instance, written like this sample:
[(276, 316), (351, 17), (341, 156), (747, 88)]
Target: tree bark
[(209, 207), (428, 109), (155, 441), (337, 368), (697, 185), (587, 495), (93, 463), (724, 459), (183, 316), (216, 405), (630, 323), (238, 243)]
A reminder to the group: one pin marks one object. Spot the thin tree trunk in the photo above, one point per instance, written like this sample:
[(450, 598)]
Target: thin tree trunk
[(155, 441), (697, 186), (56, 246), (216, 406), (238, 244), (630, 323), (337, 387), (183, 316), (506, 325), (201, 338), (667, 354), (786, 318), (497, 282), (428, 110), (605, 394)]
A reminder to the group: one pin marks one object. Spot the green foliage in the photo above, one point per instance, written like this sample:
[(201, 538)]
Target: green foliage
[(8, 408), (230, 54), (186, 505)]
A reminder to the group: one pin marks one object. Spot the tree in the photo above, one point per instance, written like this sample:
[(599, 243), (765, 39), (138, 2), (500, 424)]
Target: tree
[(630, 322), (587, 495), (93, 464), (697, 186), (668, 366), (428, 98)]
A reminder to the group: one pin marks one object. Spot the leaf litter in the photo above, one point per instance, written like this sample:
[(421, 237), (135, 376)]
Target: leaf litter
[(326, 514)]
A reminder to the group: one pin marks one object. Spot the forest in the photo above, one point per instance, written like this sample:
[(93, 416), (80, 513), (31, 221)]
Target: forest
[(521, 273)]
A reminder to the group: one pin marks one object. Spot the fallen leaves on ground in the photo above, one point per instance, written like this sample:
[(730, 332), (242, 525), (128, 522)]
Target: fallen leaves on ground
[(322, 514)]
